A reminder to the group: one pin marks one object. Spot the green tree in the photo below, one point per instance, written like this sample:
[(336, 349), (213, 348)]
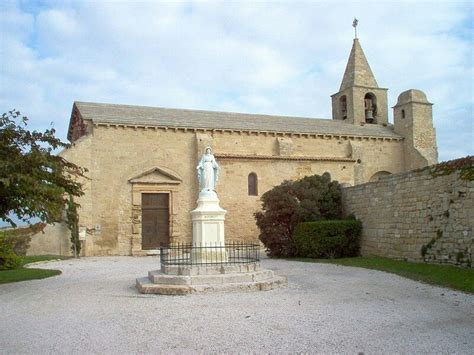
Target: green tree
[(312, 198), (34, 181)]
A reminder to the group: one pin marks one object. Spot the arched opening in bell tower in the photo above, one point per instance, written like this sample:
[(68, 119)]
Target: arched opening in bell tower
[(370, 108), (343, 106)]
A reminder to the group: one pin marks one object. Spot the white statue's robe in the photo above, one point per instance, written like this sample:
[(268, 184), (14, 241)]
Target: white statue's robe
[(208, 171)]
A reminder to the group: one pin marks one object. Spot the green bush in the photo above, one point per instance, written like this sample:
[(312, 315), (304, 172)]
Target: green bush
[(19, 243), (8, 258), (327, 239), (283, 207), (20, 237)]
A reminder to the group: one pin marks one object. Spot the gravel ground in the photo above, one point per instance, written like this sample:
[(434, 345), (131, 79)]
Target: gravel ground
[(93, 307)]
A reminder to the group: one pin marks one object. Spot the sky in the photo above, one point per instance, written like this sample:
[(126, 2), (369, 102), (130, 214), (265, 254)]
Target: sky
[(271, 57)]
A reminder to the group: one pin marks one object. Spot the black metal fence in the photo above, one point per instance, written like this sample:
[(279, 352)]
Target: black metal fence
[(210, 254)]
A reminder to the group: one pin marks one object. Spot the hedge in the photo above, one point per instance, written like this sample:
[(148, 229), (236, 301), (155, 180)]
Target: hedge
[(327, 239)]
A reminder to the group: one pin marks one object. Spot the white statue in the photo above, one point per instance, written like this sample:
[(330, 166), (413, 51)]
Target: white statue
[(208, 171)]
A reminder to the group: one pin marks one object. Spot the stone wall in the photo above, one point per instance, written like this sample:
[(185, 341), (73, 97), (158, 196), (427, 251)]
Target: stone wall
[(53, 240), (416, 216)]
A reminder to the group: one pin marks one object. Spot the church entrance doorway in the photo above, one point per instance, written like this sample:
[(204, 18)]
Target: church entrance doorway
[(155, 220)]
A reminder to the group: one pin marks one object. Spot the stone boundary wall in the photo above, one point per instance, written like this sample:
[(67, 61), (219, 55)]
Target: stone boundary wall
[(416, 216), (53, 240)]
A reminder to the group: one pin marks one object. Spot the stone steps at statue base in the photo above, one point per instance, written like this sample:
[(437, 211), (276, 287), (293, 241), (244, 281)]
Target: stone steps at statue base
[(159, 277), (144, 285), (193, 270), (163, 284)]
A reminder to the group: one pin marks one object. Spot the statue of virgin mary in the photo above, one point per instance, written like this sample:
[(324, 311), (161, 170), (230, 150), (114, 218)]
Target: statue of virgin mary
[(207, 171)]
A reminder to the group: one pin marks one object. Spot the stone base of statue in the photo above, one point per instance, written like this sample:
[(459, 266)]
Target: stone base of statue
[(190, 279), (208, 229)]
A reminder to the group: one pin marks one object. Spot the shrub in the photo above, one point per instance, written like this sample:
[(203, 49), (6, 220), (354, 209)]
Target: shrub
[(8, 258), (20, 243), (20, 238), (283, 207), (327, 239)]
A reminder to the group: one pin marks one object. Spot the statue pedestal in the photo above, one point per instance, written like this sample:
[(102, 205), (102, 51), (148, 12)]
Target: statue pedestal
[(208, 229)]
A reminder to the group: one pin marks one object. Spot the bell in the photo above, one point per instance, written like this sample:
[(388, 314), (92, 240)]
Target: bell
[(369, 114)]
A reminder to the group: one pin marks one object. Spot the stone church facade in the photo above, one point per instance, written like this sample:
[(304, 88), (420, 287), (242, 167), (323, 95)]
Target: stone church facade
[(141, 161)]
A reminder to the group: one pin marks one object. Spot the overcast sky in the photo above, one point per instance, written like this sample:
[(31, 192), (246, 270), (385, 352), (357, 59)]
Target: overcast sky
[(282, 58)]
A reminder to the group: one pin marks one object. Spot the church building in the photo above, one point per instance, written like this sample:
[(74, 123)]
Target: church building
[(142, 161)]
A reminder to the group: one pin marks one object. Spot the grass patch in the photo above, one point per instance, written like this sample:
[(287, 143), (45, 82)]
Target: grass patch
[(16, 275), (441, 275), (24, 274)]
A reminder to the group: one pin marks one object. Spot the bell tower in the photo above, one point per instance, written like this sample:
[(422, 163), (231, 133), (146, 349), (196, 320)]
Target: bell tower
[(413, 119), (359, 100)]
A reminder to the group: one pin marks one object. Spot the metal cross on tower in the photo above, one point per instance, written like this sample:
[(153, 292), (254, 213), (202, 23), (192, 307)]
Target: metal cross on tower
[(354, 24)]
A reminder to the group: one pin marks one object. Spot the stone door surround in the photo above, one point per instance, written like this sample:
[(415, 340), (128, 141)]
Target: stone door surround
[(155, 180)]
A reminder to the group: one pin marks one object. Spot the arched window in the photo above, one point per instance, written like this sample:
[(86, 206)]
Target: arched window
[(378, 175), (343, 106), (370, 104), (403, 113), (253, 184)]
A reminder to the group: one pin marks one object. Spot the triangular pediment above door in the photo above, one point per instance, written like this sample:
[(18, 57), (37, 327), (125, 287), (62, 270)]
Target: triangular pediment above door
[(157, 175)]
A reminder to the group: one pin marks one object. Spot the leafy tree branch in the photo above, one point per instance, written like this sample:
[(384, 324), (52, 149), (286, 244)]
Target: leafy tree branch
[(34, 181)]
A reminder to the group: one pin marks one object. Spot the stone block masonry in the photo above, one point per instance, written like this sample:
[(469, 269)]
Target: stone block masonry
[(416, 215)]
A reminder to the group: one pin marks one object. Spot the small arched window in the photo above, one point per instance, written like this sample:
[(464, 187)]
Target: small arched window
[(343, 105), (403, 113), (253, 184)]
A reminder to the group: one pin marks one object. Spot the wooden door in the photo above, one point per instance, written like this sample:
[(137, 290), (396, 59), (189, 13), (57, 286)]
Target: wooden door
[(155, 220)]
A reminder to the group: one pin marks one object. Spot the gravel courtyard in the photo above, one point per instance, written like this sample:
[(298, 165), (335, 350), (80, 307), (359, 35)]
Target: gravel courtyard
[(93, 307)]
